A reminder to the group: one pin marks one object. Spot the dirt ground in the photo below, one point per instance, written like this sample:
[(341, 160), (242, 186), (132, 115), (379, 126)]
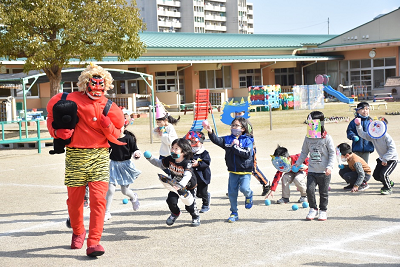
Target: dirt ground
[(363, 229)]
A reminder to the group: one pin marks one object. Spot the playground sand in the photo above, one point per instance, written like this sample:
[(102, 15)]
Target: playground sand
[(362, 228)]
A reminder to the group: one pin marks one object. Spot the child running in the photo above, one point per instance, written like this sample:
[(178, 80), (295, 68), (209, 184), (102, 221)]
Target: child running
[(179, 163), (122, 169), (387, 161), (320, 146), (201, 167), (284, 163), (257, 173), (239, 160)]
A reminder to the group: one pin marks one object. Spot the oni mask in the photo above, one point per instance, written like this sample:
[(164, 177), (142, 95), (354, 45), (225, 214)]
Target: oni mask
[(193, 138), (282, 164), (95, 87), (314, 128)]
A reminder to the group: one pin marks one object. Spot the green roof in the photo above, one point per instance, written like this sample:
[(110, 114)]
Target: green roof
[(183, 40)]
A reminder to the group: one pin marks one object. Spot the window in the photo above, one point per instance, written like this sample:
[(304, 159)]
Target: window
[(167, 81), (285, 76), (249, 77), (216, 79)]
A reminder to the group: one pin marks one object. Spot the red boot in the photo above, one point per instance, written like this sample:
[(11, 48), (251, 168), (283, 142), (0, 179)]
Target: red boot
[(77, 240), (94, 251)]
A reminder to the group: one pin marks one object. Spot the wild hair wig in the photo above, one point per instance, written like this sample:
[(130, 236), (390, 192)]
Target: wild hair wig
[(93, 70)]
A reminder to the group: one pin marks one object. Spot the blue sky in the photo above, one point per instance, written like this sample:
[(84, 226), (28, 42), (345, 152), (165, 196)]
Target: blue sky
[(311, 17)]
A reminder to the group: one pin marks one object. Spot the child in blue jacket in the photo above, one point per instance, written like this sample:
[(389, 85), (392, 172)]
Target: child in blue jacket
[(361, 147), (239, 160)]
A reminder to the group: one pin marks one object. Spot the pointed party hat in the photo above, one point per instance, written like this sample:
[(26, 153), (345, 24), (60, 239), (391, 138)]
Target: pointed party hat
[(160, 110)]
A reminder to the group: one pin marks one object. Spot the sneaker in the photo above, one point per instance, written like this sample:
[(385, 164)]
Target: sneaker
[(391, 183), (233, 217), (302, 199), (68, 223), (77, 240), (363, 186), (282, 201), (204, 209), (107, 216), (348, 187), (266, 189), (312, 214), (85, 203), (322, 215), (171, 219), (386, 191), (196, 221), (135, 202), (94, 251), (248, 202)]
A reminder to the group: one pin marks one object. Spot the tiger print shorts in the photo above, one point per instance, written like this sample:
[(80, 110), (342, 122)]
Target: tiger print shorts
[(83, 165)]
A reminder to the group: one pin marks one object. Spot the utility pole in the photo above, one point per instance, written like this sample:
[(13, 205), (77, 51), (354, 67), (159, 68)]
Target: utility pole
[(328, 26)]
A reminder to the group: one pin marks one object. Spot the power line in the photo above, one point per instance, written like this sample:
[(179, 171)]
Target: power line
[(298, 28)]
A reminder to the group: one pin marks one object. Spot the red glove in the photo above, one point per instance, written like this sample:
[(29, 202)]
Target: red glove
[(64, 133), (105, 121)]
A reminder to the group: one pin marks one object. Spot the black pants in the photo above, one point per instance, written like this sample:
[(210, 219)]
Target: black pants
[(322, 181), (381, 173), (202, 192), (172, 202)]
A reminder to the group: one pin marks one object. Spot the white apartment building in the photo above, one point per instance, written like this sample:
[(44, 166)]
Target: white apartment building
[(198, 16)]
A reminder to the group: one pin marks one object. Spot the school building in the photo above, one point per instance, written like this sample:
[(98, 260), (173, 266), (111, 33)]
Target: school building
[(358, 62)]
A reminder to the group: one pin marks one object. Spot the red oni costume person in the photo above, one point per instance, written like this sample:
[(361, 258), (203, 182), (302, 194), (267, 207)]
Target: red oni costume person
[(87, 157)]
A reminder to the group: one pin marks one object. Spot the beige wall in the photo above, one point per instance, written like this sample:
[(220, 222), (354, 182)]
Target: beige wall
[(169, 98)]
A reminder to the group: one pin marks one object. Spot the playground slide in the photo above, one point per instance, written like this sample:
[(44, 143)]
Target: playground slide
[(338, 95)]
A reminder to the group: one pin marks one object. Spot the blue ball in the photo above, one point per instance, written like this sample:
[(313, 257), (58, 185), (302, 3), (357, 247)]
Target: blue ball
[(295, 168), (295, 207), (147, 154), (305, 205), (267, 202), (125, 201)]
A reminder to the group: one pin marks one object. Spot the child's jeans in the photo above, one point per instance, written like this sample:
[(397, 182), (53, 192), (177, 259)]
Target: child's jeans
[(238, 182), (322, 180), (351, 177)]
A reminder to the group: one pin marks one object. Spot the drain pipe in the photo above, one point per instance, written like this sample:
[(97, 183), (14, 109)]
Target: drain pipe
[(262, 80), (302, 71), (177, 75)]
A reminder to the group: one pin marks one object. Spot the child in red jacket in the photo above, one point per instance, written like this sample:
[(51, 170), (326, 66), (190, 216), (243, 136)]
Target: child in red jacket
[(285, 164)]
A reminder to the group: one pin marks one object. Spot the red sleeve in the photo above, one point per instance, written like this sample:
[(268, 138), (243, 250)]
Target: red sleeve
[(117, 118), (277, 178)]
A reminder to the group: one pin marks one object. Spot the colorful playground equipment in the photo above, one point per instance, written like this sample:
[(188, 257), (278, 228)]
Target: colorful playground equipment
[(324, 79), (201, 109)]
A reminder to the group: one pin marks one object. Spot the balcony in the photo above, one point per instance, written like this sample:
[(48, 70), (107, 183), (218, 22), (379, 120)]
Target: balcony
[(174, 3), (215, 28), (215, 18), (168, 13), (170, 24), (250, 21), (215, 8)]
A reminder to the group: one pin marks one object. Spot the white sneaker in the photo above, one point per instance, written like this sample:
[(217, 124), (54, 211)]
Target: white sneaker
[(322, 215), (135, 202), (312, 214), (107, 216)]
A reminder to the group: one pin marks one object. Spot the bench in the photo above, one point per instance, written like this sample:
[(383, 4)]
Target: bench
[(372, 105), (382, 96)]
